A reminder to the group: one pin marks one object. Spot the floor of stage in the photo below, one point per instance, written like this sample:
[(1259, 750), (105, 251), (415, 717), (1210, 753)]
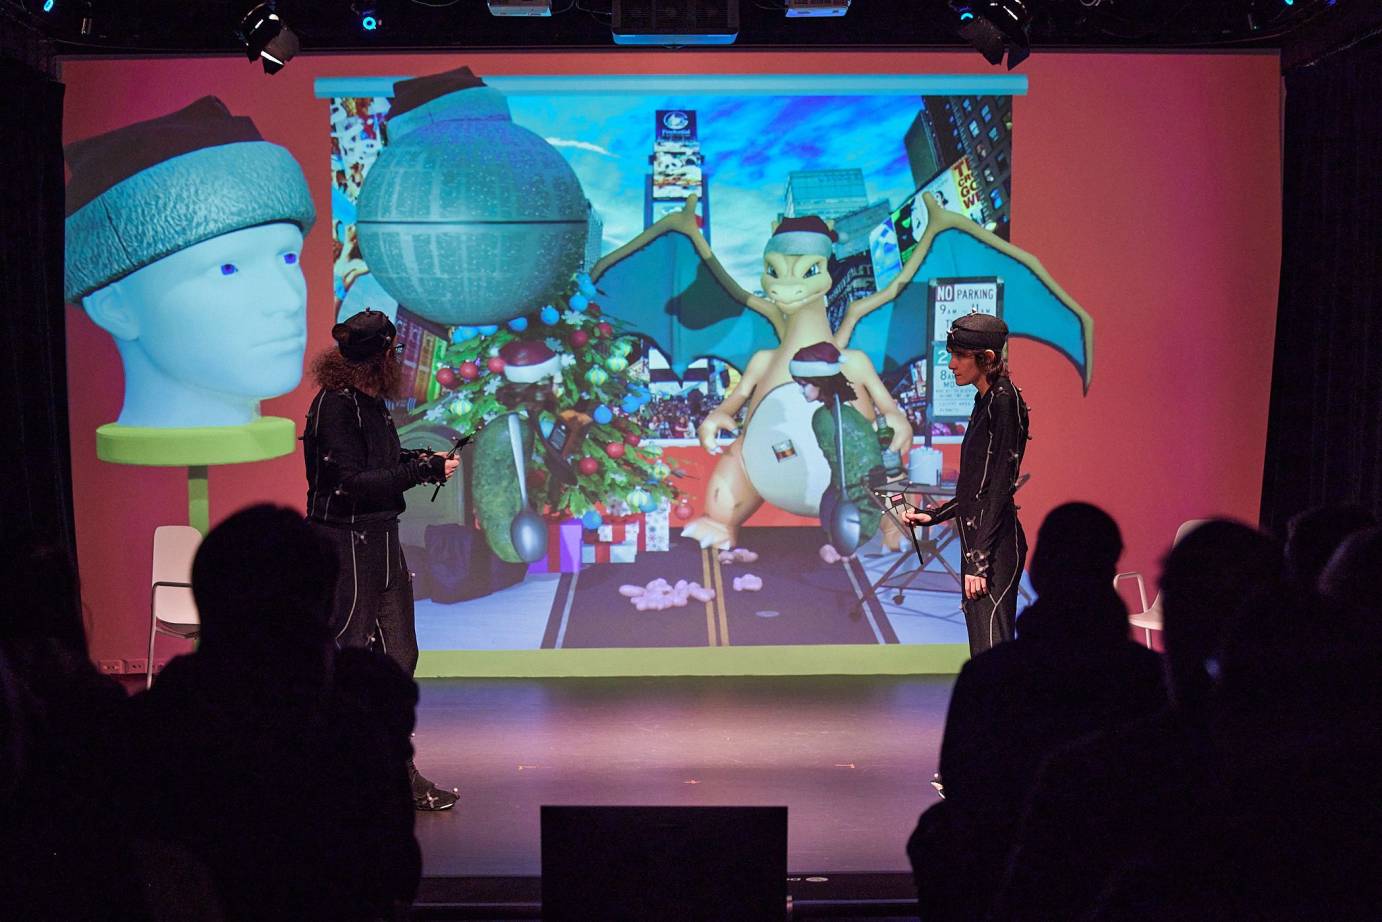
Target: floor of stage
[(850, 756)]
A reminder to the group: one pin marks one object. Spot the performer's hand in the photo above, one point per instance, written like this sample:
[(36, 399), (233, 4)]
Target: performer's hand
[(451, 463), (710, 427), (976, 587), (916, 517)]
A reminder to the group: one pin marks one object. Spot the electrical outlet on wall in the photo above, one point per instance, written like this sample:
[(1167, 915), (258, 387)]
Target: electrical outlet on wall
[(112, 666), (136, 666)]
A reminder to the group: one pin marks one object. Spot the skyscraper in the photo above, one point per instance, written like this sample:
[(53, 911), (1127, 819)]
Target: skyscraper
[(678, 169), (826, 193), (594, 236)]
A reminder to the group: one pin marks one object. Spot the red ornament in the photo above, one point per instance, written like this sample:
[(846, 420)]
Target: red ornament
[(593, 309), (682, 510), (495, 364), (604, 329), (580, 338), (615, 450), (631, 439), (446, 377), (469, 371), (587, 466)]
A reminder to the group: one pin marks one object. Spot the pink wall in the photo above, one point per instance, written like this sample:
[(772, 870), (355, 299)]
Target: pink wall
[(1148, 184)]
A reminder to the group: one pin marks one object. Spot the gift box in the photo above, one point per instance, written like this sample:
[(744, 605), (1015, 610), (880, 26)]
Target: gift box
[(618, 540), (608, 553), (657, 528), (563, 548)]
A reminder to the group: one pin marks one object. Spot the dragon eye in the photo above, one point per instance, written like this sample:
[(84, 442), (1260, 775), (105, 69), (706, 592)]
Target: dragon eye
[(814, 270), (772, 273), (229, 268)]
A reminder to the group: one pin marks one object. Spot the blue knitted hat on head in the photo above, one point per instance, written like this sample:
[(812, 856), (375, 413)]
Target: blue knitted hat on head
[(147, 190)]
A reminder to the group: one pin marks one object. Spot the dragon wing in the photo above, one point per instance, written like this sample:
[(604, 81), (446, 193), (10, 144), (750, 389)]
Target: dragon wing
[(668, 286), (953, 246)]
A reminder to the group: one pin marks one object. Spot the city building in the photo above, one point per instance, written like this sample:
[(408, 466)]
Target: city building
[(854, 227), (825, 193), (976, 127), (594, 236)]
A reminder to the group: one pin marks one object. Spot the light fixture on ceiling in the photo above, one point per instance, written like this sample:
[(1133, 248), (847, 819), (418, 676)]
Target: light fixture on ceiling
[(995, 28), (268, 38)]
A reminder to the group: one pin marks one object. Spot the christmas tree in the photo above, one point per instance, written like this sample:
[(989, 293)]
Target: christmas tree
[(617, 470)]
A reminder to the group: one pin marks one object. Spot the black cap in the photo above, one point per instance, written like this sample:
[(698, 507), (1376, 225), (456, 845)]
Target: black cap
[(364, 335), (977, 332)]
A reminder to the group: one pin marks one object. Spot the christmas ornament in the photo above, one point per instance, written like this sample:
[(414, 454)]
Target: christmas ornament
[(592, 519), (580, 338), (661, 471), (586, 286), (496, 365), (469, 371), (518, 324), (549, 315), (461, 406), (463, 333), (587, 466), (621, 347), (602, 415), (616, 363), (578, 302), (604, 329), (446, 377), (593, 310), (632, 439), (682, 510), (630, 404), (488, 329), (597, 376), (615, 450)]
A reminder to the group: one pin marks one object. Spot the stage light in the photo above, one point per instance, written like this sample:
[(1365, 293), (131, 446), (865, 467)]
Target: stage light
[(995, 28), (48, 5), (268, 38), (370, 15)]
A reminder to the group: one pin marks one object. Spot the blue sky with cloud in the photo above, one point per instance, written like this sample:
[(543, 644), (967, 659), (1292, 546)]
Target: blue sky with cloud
[(750, 143)]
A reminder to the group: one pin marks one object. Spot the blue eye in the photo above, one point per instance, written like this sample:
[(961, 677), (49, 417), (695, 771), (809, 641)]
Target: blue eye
[(813, 271), (290, 259), (229, 268)]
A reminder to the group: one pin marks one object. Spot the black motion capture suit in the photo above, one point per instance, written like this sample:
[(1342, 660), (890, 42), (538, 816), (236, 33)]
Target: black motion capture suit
[(991, 538), (356, 475)]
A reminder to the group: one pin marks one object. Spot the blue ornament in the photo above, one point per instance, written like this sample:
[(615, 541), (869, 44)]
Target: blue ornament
[(488, 329), (586, 286), (647, 506), (592, 520), (549, 315), (546, 424), (630, 404), (518, 324), (603, 415), (461, 334), (578, 303)]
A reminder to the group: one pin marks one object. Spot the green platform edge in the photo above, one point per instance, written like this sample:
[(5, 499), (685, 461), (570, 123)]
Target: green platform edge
[(820, 659), (264, 438)]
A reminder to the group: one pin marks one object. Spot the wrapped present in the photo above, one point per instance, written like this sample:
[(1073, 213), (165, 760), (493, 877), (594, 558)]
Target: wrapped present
[(657, 528), (626, 529), (563, 548), (618, 540), (609, 553)]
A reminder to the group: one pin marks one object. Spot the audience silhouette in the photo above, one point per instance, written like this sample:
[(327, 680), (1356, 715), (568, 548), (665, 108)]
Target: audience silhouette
[(1070, 671), (275, 760)]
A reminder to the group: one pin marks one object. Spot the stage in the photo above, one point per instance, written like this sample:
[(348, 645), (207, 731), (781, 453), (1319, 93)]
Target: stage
[(850, 757)]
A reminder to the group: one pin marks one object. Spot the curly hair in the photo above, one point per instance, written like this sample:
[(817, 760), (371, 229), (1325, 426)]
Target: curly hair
[(380, 375)]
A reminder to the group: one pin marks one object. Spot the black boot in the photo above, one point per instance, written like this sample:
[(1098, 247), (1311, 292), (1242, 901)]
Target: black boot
[(426, 795)]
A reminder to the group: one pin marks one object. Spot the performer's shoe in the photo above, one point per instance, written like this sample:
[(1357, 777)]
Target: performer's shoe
[(426, 795)]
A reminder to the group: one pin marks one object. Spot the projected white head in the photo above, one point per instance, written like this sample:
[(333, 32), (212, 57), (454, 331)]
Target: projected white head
[(208, 332), (184, 237)]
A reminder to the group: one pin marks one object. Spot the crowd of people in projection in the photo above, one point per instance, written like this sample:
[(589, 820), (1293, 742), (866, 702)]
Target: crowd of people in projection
[(1084, 775)]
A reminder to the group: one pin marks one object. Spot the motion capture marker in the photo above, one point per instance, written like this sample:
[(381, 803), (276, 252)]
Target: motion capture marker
[(767, 613)]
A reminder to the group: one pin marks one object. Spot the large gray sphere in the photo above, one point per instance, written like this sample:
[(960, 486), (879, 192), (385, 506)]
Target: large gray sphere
[(467, 218)]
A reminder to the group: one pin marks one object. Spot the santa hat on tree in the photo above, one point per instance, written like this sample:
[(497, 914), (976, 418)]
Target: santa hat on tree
[(528, 362), (808, 235), (819, 360)]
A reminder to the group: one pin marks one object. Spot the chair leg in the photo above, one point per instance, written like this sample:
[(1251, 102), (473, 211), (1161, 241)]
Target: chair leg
[(1145, 630), (149, 663)]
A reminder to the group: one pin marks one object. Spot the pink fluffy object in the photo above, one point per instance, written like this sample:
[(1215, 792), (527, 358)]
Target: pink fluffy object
[(747, 583), (738, 555), (660, 595)]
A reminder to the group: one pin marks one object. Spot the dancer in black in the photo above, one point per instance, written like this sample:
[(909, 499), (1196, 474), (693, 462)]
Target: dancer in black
[(356, 474), (993, 546)]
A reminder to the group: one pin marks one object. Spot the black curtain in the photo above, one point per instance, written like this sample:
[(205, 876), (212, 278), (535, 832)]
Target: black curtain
[(35, 456), (1324, 431)]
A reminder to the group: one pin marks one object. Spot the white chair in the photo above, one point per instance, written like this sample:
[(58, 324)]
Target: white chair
[(1149, 618), (172, 610)]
